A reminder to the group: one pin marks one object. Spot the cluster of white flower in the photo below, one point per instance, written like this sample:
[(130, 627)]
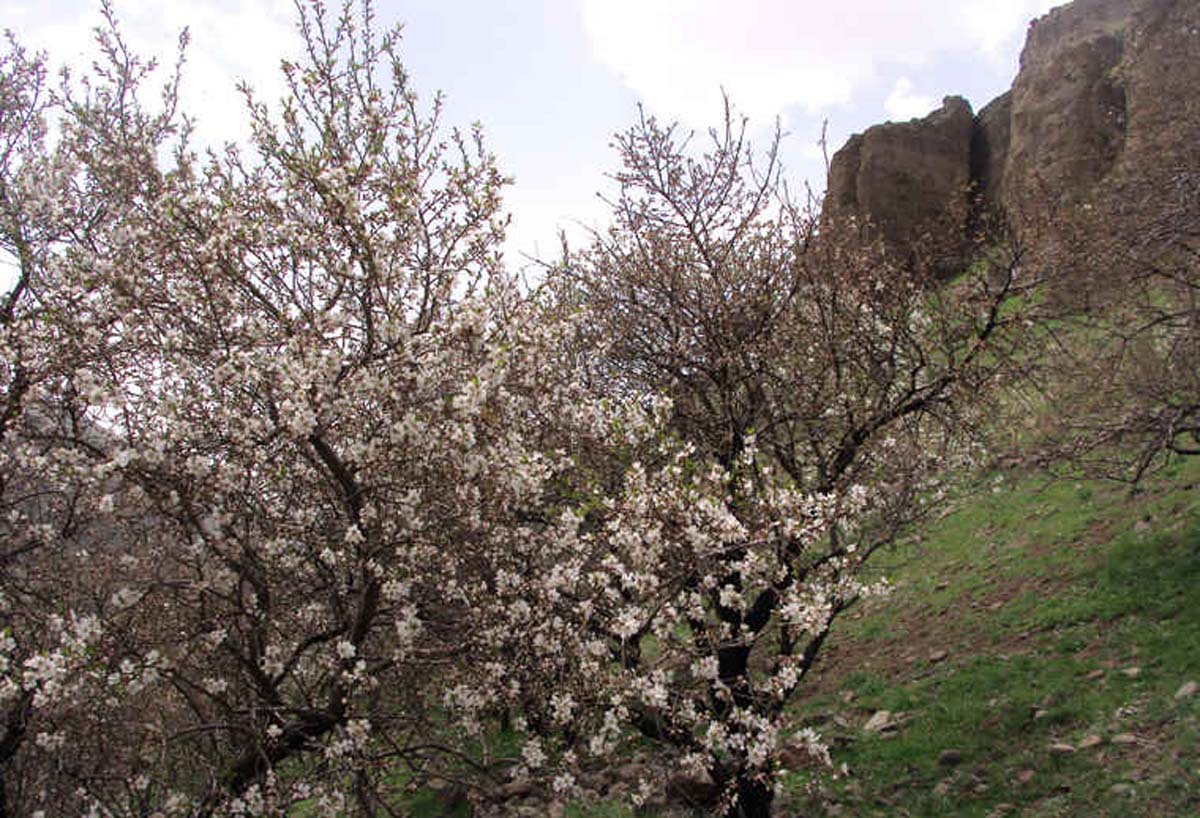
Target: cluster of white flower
[(532, 753), (654, 691), (706, 667), (808, 608), (605, 739), (351, 739)]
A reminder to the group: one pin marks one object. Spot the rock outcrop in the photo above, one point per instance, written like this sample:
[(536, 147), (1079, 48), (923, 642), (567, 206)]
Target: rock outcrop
[(1107, 98), (1067, 119), (907, 180)]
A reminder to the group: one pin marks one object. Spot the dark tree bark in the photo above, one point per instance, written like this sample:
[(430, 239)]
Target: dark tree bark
[(754, 798)]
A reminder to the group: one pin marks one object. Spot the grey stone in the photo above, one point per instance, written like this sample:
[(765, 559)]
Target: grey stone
[(879, 722)]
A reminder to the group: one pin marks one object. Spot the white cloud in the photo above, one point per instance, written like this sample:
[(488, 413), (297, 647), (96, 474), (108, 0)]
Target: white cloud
[(231, 40), (993, 24), (770, 54), (902, 103)]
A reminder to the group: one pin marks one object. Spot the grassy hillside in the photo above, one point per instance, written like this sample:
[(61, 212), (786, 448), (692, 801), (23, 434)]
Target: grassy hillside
[(1035, 658)]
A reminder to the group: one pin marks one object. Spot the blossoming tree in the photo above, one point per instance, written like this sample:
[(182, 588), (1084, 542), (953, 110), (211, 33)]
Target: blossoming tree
[(1126, 269), (286, 408), (304, 499), (819, 390)]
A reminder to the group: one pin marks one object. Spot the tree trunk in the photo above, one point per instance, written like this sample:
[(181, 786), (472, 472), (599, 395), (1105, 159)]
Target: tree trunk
[(753, 799), (15, 724)]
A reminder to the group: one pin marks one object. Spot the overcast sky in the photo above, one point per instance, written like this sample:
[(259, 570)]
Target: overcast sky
[(552, 80)]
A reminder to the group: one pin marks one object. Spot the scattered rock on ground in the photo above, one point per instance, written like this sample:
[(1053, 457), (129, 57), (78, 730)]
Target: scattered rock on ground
[(795, 755), (1188, 690), (880, 722), (1025, 776), (1132, 672), (938, 656), (1124, 738), (1091, 741), (1060, 749), (950, 758)]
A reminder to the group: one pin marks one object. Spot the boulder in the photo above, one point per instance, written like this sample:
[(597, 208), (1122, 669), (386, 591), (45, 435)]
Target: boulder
[(950, 758), (884, 722)]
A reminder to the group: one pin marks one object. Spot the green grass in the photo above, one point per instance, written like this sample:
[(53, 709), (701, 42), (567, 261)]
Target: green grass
[(1042, 592)]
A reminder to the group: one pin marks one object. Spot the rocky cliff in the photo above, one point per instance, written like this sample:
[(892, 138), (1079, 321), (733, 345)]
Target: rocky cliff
[(1105, 105), (906, 182)]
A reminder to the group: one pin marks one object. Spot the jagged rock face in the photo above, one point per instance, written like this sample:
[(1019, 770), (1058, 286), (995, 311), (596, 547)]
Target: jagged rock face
[(1161, 77), (989, 150), (1106, 114), (841, 190), (1068, 119), (1107, 97), (903, 180), (1149, 205)]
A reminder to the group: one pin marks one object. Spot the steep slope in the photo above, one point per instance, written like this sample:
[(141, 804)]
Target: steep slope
[(1039, 657)]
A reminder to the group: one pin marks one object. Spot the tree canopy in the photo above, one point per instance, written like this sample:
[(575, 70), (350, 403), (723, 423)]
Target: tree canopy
[(304, 498)]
